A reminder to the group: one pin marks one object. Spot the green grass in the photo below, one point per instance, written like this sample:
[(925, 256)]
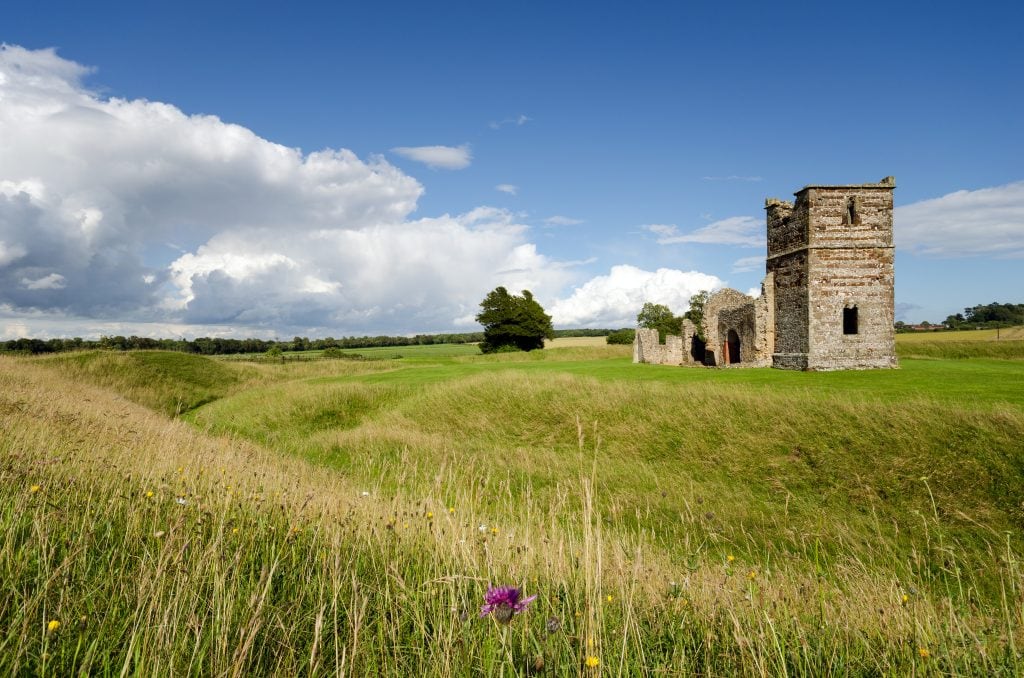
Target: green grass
[(171, 383), (1003, 334), (743, 521), (963, 350)]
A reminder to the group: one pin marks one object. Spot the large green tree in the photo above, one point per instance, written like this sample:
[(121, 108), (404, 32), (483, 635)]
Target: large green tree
[(513, 322), (696, 312), (658, 317)]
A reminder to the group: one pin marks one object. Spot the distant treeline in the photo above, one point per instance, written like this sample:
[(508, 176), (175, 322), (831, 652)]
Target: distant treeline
[(982, 316), (223, 346)]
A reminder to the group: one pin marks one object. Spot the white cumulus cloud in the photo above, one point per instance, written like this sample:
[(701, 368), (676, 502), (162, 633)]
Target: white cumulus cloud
[(511, 189), (437, 157), (614, 300), (983, 222), (267, 240)]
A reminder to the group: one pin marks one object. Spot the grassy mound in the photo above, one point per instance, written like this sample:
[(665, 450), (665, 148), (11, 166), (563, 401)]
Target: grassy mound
[(165, 381), (348, 517)]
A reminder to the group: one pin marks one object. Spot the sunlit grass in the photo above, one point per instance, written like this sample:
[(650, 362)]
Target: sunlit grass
[(337, 517)]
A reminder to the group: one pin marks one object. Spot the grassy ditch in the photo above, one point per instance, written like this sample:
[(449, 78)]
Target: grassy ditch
[(336, 517)]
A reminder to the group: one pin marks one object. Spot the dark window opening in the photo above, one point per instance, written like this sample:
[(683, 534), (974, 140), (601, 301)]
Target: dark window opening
[(850, 215), (850, 320), (733, 347)]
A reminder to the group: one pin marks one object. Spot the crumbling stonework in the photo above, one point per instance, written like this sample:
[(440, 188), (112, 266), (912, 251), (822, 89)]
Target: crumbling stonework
[(826, 302)]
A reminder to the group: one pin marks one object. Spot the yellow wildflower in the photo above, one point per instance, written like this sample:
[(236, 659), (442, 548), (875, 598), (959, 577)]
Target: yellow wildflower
[(923, 652), (430, 515), (906, 598), (592, 662), (730, 557), (33, 489), (52, 626), (150, 493), (752, 575), (494, 531), (451, 510), (610, 598)]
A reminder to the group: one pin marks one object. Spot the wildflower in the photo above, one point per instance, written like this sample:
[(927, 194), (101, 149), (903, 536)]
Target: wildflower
[(149, 494), (33, 489), (752, 575), (482, 528), (234, 530), (181, 501), (921, 651), (430, 515), (592, 662), (451, 510), (730, 557), (905, 599), (494, 531), (609, 599), (503, 602), (52, 626)]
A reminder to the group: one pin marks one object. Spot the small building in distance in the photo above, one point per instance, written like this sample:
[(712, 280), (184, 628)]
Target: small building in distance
[(826, 301)]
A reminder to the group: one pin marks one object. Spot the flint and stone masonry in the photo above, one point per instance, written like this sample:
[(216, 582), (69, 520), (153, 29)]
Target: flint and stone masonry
[(826, 301)]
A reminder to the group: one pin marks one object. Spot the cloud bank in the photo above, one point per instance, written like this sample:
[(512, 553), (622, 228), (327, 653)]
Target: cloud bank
[(131, 216), (614, 300), (985, 222)]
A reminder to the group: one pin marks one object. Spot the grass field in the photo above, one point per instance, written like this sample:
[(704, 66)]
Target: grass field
[(1008, 333), (178, 514)]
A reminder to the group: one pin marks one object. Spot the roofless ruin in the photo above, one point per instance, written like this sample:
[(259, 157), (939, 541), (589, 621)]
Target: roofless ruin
[(826, 301)]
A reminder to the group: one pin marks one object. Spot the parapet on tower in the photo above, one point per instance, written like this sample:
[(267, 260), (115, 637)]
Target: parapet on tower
[(831, 256)]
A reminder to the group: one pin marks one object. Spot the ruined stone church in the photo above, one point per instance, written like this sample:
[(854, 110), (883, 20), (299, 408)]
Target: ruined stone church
[(826, 301)]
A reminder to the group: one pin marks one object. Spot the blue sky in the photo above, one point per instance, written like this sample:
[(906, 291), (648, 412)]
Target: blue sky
[(608, 127)]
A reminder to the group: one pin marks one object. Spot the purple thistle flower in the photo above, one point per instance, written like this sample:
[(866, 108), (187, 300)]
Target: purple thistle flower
[(503, 602)]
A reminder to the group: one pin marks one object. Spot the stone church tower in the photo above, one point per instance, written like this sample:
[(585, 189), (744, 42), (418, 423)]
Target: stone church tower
[(831, 256)]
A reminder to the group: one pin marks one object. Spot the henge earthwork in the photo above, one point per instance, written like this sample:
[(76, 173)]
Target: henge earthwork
[(826, 301)]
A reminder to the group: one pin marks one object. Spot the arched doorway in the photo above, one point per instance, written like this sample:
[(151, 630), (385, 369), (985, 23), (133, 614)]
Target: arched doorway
[(697, 349), (733, 340)]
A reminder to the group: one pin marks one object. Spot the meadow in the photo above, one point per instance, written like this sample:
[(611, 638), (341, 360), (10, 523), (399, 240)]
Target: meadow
[(168, 514)]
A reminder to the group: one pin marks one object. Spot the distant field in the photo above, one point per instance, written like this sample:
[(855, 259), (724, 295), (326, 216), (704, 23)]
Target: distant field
[(180, 515), (564, 342), (1010, 333)]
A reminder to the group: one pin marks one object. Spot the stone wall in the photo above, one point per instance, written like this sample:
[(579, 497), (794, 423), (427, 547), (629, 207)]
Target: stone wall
[(647, 348)]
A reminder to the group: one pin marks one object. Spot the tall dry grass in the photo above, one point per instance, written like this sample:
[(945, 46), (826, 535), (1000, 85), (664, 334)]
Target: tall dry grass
[(161, 550)]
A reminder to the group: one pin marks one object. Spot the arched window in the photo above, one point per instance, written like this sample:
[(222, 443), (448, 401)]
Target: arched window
[(850, 320), (850, 214)]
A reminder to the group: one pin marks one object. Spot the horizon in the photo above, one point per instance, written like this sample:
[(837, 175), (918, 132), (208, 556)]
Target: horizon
[(356, 171)]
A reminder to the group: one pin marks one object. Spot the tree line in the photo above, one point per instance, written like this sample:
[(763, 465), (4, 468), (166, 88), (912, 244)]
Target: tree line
[(227, 346), (987, 315)]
